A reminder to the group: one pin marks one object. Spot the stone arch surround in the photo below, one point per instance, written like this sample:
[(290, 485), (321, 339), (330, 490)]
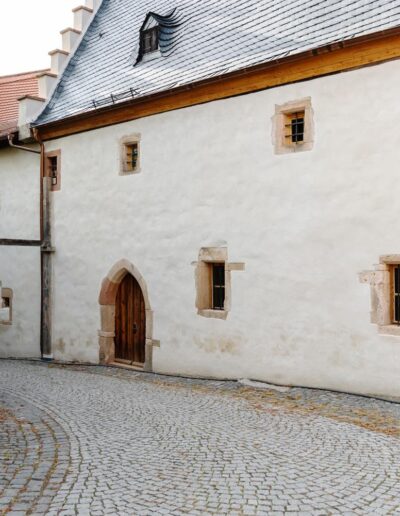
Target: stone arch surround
[(107, 298)]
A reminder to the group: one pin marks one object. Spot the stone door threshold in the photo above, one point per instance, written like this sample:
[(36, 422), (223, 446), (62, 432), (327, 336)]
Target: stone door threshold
[(132, 367)]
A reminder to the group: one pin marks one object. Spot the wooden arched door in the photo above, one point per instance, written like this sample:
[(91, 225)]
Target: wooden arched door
[(130, 323)]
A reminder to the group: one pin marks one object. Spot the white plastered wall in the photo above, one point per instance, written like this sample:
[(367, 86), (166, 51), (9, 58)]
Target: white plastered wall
[(305, 224), (19, 194), (20, 266)]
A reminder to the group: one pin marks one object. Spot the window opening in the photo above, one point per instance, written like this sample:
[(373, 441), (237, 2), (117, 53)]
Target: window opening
[(295, 127), (218, 286), (150, 40), (53, 168), (396, 294), (132, 156), (5, 307)]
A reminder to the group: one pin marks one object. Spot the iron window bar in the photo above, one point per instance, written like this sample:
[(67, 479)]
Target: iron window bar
[(132, 153), (296, 127)]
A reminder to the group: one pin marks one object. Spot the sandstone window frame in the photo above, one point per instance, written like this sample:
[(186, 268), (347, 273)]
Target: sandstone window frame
[(53, 169), (208, 256), (381, 281), (282, 126), (6, 301), (127, 144)]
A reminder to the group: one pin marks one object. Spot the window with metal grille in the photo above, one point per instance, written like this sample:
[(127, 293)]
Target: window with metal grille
[(294, 127), (396, 294), (131, 156), (53, 168), (150, 40), (218, 286)]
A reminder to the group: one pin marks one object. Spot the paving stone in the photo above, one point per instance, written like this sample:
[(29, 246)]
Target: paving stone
[(92, 440)]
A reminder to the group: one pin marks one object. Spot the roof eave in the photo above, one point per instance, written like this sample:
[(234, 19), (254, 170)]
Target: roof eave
[(332, 48)]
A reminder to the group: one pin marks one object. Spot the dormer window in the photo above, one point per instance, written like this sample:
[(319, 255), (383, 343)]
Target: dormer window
[(157, 35), (150, 40)]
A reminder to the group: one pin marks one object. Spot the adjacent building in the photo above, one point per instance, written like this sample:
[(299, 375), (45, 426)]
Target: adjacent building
[(19, 223)]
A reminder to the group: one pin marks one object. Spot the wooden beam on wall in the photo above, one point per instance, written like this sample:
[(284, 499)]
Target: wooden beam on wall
[(19, 242)]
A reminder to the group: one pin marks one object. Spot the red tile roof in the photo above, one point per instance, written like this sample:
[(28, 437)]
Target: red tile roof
[(11, 88)]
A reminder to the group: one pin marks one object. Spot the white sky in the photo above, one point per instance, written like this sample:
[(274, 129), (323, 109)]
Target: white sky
[(29, 29)]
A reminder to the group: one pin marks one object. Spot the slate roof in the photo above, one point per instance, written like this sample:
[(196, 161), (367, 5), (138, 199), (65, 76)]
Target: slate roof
[(11, 88), (211, 37)]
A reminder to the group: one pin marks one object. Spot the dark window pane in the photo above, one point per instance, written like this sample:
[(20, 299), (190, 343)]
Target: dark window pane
[(132, 154), (53, 165), (150, 40), (218, 286), (218, 274), (297, 130), (396, 294)]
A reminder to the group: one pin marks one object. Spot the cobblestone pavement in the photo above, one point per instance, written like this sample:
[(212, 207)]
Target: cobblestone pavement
[(91, 440)]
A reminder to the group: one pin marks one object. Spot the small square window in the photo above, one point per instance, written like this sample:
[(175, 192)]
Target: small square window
[(5, 306), (130, 156), (150, 39), (53, 169), (293, 127)]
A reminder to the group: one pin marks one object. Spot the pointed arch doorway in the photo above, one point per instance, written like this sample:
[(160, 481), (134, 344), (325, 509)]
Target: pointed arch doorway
[(130, 323), (126, 334)]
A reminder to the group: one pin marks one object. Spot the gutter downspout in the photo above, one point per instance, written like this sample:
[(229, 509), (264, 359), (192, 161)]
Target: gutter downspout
[(46, 249), (20, 147)]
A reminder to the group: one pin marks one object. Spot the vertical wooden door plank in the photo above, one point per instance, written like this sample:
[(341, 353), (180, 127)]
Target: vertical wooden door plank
[(130, 313)]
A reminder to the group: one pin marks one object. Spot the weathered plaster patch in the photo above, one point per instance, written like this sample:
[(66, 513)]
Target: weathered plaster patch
[(224, 345), (59, 346)]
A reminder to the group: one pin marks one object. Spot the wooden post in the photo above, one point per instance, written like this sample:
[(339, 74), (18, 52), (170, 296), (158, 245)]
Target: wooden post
[(46, 252)]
